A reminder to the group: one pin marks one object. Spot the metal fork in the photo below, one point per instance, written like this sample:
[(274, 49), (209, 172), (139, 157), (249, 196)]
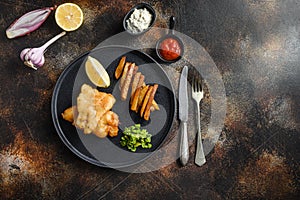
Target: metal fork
[(197, 94)]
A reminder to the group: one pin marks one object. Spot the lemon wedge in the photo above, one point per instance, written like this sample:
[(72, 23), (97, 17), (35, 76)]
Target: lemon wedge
[(96, 72), (68, 16)]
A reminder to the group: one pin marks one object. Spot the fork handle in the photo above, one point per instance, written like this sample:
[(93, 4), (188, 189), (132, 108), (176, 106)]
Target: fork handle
[(184, 146), (200, 157)]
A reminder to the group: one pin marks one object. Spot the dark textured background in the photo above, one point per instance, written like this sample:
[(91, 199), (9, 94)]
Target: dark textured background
[(255, 45)]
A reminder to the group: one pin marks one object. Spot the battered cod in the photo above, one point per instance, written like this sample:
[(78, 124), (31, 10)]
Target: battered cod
[(92, 113)]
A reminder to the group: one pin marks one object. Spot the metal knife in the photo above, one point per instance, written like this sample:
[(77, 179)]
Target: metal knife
[(183, 116)]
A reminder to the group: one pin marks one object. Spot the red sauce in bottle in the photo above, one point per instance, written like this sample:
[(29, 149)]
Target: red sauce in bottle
[(170, 49)]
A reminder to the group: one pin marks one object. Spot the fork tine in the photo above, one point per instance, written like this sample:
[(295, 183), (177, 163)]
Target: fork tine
[(193, 83), (196, 85), (200, 85), (196, 81)]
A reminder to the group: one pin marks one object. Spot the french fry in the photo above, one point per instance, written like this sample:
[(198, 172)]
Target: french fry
[(136, 68), (146, 99), (154, 104), (125, 86), (143, 92), (135, 82), (124, 74), (152, 108), (141, 81), (150, 101), (120, 67), (135, 99)]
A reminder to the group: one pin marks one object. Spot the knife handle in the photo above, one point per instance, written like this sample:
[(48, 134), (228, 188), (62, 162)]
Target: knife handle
[(184, 145)]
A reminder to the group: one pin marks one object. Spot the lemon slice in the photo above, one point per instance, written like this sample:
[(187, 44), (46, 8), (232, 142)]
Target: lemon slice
[(96, 72), (68, 16)]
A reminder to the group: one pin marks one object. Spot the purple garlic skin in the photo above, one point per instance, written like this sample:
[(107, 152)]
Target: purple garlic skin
[(34, 57), (28, 22)]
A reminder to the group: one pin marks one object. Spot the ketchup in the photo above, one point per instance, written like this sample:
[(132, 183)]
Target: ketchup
[(170, 49)]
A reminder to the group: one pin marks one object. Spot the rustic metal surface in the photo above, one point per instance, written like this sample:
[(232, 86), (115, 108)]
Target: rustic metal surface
[(256, 47)]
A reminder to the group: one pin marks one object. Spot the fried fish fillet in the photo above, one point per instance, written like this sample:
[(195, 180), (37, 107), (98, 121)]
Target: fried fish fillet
[(69, 114), (107, 125), (93, 113)]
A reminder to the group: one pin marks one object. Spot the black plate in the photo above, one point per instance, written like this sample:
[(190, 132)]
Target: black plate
[(107, 152)]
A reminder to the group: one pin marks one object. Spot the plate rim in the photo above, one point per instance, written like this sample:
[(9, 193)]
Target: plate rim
[(55, 115)]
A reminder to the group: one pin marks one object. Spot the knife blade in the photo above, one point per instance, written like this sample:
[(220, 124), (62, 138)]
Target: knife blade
[(183, 116), (183, 95)]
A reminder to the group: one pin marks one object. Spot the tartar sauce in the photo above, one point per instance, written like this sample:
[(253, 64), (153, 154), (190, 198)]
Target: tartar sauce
[(139, 20)]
